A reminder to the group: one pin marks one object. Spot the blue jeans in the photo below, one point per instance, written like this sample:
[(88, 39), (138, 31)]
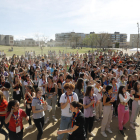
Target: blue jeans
[(64, 124)]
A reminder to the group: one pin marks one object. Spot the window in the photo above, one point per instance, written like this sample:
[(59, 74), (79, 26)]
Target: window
[(11, 38)]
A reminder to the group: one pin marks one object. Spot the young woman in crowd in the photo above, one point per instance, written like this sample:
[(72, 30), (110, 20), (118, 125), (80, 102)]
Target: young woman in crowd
[(77, 130), (31, 72), (129, 88), (29, 95), (14, 118), (89, 103), (42, 84), (114, 84), (60, 90), (28, 81), (36, 79), (51, 97), (3, 111), (123, 109), (55, 75), (4, 87), (107, 110), (79, 89), (122, 81), (66, 114), (38, 108), (135, 105), (98, 90), (16, 88)]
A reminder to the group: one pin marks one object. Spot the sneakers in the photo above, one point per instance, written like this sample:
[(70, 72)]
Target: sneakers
[(108, 130), (104, 134), (47, 120), (136, 124), (54, 118), (121, 131), (29, 127), (132, 126), (91, 134)]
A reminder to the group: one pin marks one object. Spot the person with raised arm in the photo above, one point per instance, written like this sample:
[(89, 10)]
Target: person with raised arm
[(107, 110), (38, 108), (14, 117), (123, 109), (66, 113), (77, 130)]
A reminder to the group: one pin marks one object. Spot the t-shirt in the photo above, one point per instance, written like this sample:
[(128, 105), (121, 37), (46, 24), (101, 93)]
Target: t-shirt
[(88, 112), (3, 106), (96, 91), (38, 106), (79, 133), (41, 82), (63, 99), (6, 85), (12, 122), (79, 93)]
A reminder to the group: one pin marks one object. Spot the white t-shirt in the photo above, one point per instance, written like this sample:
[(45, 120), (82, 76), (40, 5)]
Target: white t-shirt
[(40, 84), (96, 91), (63, 99), (119, 73)]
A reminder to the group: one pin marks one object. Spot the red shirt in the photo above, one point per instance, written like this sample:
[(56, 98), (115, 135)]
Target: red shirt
[(12, 122), (3, 106), (101, 57)]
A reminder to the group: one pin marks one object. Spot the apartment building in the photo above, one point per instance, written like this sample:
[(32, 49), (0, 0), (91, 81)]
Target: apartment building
[(134, 41), (64, 39), (7, 40), (29, 42)]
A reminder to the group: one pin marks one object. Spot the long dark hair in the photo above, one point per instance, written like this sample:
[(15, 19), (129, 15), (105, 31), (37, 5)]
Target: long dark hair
[(120, 91), (79, 84), (135, 86), (88, 90), (14, 78), (54, 72), (108, 87), (11, 104), (31, 88)]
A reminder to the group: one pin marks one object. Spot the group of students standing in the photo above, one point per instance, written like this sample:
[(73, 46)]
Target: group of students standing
[(86, 91)]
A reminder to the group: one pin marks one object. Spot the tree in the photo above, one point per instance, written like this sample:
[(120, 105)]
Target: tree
[(41, 40), (76, 38), (103, 39)]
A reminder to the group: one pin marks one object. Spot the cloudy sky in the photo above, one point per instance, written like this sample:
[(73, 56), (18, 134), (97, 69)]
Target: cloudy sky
[(25, 18)]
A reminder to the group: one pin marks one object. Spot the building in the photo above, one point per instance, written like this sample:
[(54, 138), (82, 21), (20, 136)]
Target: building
[(29, 42), (134, 41), (7, 40), (72, 38)]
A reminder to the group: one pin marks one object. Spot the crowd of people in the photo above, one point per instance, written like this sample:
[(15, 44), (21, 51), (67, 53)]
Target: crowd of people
[(89, 88)]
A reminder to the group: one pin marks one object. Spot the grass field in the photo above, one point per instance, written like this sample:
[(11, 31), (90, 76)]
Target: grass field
[(21, 50)]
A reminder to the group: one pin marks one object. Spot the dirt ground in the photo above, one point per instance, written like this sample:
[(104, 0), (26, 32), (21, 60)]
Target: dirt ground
[(50, 130)]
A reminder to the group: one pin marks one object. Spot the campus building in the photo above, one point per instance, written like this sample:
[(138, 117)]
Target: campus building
[(134, 41), (7, 40), (29, 42), (72, 38)]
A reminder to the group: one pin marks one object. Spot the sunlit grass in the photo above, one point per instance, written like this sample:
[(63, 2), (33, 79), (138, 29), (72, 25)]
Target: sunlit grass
[(21, 50)]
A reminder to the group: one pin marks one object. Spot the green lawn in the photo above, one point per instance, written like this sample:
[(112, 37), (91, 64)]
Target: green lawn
[(21, 50)]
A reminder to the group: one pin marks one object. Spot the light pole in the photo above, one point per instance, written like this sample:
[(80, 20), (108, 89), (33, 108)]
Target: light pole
[(138, 37)]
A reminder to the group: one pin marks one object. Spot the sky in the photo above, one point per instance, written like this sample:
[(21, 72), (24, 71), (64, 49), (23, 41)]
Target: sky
[(26, 18)]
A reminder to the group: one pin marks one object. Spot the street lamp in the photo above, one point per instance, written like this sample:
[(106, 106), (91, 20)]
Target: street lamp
[(138, 37)]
